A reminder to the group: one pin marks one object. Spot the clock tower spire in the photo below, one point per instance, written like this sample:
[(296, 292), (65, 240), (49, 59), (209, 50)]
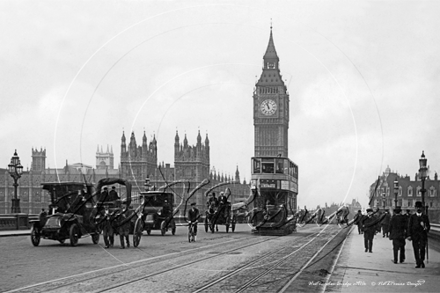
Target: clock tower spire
[(271, 107)]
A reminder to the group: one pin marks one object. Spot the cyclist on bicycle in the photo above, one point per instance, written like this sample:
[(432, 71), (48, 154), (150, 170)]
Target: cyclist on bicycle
[(193, 217)]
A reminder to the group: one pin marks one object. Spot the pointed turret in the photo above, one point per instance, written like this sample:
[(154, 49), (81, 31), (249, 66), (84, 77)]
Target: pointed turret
[(271, 53), (271, 77), (237, 176), (199, 139), (123, 145), (185, 142), (144, 140)]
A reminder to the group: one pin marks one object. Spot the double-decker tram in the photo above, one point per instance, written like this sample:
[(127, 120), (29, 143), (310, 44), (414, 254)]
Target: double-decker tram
[(274, 187)]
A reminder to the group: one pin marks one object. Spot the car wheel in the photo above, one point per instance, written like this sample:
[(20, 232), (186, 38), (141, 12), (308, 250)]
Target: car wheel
[(35, 236), (74, 234)]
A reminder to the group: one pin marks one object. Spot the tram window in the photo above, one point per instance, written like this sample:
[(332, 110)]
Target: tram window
[(279, 166), (257, 166), (268, 168)]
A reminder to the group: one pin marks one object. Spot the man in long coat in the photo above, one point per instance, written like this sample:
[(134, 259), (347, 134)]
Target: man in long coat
[(107, 229), (358, 221), (385, 224), (124, 228), (418, 228), (398, 226), (369, 225)]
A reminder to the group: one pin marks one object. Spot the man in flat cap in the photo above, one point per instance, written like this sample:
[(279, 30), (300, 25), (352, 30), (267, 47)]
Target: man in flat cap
[(193, 217), (398, 226), (369, 223), (418, 228)]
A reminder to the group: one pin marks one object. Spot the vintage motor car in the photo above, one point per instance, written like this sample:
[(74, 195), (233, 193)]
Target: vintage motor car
[(156, 213), (71, 214)]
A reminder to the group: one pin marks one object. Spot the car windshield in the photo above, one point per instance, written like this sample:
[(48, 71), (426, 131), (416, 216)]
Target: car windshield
[(160, 199)]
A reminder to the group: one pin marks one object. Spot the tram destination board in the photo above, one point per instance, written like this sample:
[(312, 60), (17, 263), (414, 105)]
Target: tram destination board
[(269, 183)]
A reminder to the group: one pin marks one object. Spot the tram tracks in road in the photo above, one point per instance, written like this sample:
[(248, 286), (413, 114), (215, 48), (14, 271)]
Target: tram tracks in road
[(80, 280), (203, 259), (277, 273), (65, 282), (125, 275)]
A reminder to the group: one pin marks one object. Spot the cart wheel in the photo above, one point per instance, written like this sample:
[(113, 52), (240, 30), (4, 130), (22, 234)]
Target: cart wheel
[(35, 236), (233, 227), (173, 227), (163, 229), (137, 233), (62, 241), (95, 238), (74, 234), (227, 228)]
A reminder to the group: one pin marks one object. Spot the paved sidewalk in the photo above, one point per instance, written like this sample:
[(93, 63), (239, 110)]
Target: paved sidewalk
[(8, 233), (358, 271)]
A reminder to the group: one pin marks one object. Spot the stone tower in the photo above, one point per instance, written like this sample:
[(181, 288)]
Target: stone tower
[(271, 108), (138, 162), (104, 160), (191, 162), (38, 160)]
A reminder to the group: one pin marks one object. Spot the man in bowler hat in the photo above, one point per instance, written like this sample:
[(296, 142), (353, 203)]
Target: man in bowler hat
[(418, 228), (369, 224), (398, 226)]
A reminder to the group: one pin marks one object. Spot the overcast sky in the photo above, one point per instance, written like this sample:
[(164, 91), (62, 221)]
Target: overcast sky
[(363, 78)]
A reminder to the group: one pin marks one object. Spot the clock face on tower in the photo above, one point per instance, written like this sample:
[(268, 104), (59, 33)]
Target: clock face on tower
[(268, 107)]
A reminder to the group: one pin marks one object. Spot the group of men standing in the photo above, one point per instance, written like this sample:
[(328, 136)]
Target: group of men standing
[(413, 227)]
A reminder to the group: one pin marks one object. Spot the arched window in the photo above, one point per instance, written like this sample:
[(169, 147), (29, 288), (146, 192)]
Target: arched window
[(410, 191), (419, 194), (432, 191)]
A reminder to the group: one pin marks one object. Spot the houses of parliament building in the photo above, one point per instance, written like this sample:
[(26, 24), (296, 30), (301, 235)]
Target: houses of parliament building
[(137, 162)]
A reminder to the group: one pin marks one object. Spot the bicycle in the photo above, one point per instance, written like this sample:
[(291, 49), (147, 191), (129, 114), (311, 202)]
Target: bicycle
[(191, 233)]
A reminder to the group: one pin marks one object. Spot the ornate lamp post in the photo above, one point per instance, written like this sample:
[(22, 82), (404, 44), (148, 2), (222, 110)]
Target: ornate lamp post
[(15, 170), (423, 173), (396, 191)]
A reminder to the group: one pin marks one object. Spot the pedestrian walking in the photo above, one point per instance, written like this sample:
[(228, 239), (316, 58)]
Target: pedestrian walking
[(398, 227), (377, 215), (369, 226), (358, 221), (418, 228), (385, 224), (107, 229), (124, 228)]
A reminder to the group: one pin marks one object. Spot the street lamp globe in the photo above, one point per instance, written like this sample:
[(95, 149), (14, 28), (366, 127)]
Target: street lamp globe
[(422, 162)]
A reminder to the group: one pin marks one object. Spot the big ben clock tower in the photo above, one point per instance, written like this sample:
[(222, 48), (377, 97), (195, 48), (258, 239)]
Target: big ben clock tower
[(271, 108)]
